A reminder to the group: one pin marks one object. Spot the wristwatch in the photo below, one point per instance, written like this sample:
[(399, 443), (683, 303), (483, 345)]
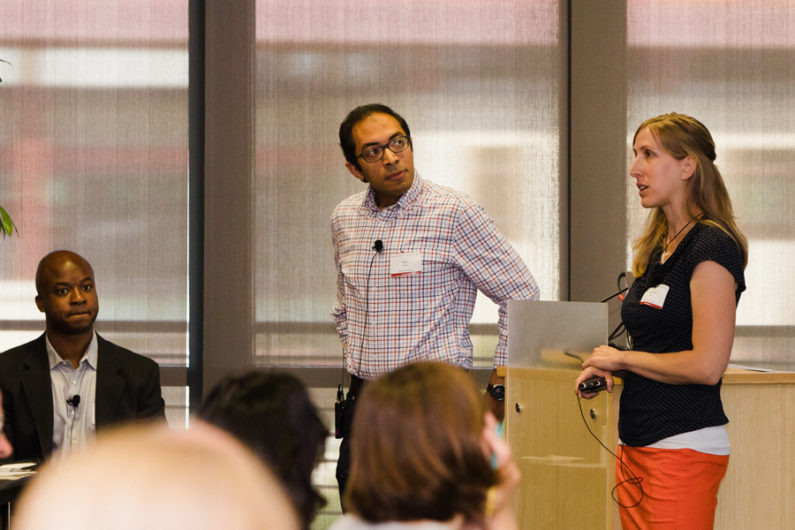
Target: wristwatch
[(496, 391)]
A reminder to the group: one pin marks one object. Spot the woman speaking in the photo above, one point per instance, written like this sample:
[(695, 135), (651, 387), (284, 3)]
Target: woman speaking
[(680, 315)]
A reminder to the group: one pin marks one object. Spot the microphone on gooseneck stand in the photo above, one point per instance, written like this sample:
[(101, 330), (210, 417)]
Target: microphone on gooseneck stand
[(627, 278), (73, 401), (620, 292)]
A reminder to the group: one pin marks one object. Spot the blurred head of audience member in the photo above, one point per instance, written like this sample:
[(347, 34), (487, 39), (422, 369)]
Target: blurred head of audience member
[(156, 478), (422, 447), (272, 414)]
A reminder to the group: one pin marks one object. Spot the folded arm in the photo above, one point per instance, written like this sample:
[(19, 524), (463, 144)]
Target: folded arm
[(714, 306)]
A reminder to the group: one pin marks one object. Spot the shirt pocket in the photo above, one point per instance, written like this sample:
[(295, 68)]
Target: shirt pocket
[(353, 273)]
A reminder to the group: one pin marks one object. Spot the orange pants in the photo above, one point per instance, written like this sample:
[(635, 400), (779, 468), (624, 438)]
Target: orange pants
[(680, 488)]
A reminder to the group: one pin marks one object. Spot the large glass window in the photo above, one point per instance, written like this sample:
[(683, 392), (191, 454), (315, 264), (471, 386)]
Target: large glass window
[(479, 87), (729, 64), (93, 158)]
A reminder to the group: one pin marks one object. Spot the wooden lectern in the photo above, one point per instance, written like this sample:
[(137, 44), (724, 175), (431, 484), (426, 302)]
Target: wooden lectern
[(567, 477)]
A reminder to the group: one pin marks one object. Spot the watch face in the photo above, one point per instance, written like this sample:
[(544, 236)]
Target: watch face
[(498, 392)]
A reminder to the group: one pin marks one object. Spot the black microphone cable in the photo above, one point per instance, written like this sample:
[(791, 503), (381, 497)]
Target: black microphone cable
[(630, 480), (620, 329), (378, 246)]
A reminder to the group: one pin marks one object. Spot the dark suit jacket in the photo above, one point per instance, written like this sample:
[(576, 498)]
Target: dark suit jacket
[(128, 388)]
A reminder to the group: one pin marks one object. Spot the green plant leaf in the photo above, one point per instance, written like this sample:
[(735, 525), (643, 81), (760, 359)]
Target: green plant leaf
[(7, 226)]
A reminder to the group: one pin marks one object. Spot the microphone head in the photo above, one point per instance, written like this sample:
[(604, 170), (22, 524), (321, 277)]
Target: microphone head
[(74, 400), (378, 246)]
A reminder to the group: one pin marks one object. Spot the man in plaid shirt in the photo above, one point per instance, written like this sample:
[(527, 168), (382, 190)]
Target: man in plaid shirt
[(411, 256)]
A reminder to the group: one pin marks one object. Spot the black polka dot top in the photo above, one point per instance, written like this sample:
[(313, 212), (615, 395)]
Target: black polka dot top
[(650, 410)]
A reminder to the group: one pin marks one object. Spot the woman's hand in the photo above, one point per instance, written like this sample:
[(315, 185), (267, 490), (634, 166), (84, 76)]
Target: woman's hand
[(500, 510), (604, 360)]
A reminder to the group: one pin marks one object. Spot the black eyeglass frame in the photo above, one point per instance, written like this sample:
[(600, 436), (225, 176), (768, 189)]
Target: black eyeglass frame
[(386, 146)]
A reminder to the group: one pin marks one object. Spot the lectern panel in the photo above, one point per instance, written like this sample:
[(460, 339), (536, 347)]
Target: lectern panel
[(566, 475)]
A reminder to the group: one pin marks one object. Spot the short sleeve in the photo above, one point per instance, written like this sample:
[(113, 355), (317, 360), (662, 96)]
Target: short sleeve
[(716, 245)]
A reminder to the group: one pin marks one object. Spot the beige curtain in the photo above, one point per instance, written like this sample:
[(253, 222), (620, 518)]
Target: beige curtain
[(93, 158), (731, 64), (479, 83)]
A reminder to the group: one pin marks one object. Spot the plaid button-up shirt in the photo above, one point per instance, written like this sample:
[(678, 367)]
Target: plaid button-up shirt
[(387, 321)]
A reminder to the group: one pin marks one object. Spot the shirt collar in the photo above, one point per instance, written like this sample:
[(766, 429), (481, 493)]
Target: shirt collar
[(405, 201), (89, 357)]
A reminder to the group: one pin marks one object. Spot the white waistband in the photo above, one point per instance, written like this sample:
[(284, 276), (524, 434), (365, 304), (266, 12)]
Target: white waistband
[(709, 440)]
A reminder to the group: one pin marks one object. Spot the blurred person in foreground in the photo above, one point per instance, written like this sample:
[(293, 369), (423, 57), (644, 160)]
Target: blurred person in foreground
[(680, 314), (61, 387), (422, 456), (272, 414), (156, 478)]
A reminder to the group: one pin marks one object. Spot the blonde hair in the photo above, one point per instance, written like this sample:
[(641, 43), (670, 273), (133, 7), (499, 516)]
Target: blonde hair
[(160, 479), (706, 195)]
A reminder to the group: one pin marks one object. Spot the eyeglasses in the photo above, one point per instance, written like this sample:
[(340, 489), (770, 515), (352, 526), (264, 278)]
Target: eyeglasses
[(374, 153)]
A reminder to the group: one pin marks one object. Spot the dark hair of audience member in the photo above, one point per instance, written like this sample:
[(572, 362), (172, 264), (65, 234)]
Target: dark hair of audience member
[(417, 447), (272, 414)]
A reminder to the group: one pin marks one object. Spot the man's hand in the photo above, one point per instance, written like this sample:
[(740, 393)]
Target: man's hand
[(496, 407)]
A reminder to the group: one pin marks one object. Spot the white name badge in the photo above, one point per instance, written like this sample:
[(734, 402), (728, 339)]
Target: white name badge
[(655, 296), (403, 264)]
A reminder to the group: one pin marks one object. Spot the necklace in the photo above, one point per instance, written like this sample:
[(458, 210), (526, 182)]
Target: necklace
[(667, 244)]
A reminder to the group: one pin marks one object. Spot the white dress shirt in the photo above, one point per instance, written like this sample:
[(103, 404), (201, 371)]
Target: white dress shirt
[(73, 425)]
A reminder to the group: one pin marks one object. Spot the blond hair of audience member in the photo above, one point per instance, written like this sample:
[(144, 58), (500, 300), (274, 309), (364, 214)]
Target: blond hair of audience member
[(157, 478), (421, 447)]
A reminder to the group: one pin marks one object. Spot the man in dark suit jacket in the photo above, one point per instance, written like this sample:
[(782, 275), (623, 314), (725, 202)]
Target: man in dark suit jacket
[(126, 385)]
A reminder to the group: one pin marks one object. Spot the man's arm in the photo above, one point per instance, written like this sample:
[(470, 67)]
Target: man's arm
[(150, 399), (496, 269), (339, 312)]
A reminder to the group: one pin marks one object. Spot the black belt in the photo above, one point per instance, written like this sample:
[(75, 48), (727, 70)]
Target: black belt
[(355, 388)]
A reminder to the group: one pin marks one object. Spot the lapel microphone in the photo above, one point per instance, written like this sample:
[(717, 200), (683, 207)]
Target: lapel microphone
[(73, 401), (378, 245)]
